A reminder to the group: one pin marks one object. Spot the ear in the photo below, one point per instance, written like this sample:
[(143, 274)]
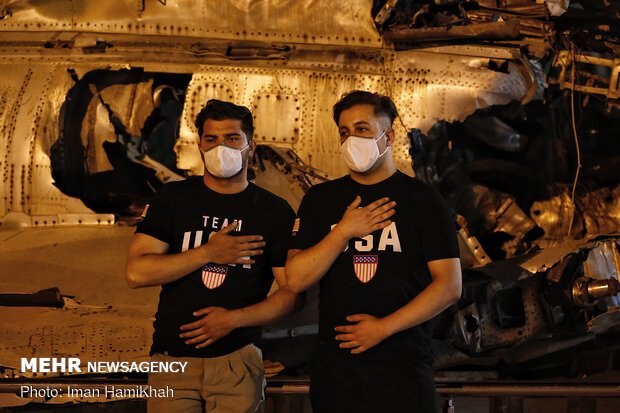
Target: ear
[(391, 136), (252, 146)]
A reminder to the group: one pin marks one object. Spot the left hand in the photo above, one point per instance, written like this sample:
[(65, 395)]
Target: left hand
[(368, 332), (215, 324)]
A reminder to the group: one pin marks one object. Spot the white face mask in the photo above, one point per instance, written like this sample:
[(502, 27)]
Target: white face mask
[(224, 161), (361, 153)]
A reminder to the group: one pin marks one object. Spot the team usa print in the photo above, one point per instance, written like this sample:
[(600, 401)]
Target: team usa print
[(213, 275), (365, 266)]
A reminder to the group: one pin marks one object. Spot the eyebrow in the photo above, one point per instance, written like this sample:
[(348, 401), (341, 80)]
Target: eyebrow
[(206, 135), (358, 123)]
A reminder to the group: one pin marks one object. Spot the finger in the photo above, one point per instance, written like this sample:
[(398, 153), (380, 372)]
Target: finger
[(359, 350), (384, 216), (197, 340), (191, 326), (384, 208), (380, 225), (194, 333), (248, 238), (348, 344), (252, 245), (377, 203), (356, 202), (344, 329), (244, 261), (344, 337), (354, 318), (247, 253), (228, 228), (206, 343), (202, 311)]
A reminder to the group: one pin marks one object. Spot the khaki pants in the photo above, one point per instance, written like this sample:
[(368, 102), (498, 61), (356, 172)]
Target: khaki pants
[(233, 383)]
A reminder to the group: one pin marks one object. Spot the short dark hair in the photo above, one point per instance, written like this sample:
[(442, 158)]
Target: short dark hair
[(382, 104), (220, 110)]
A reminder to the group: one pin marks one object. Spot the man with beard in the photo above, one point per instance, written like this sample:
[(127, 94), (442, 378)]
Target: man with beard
[(383, 247), (214, 243)]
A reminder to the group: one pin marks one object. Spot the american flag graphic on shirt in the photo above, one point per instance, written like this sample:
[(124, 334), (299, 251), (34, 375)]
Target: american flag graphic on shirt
[(365, 266), (213, 275)]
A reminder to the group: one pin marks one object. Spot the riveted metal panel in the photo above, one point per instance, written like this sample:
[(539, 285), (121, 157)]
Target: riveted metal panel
[(432, 87), (33, 96), (311, 96), (426, 87), (277, 118), (91, 334), (288, 21)]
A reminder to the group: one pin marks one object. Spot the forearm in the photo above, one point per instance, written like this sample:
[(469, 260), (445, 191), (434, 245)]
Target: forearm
[(435, 298), (271, 309), (308, 266), (157, 269)]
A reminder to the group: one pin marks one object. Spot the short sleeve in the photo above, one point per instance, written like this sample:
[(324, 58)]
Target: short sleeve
[(307, 232), (438, 228), (283, 227), (157, 221)]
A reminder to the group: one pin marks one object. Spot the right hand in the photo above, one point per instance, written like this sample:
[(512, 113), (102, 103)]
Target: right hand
[(224, 248), (358, 222)]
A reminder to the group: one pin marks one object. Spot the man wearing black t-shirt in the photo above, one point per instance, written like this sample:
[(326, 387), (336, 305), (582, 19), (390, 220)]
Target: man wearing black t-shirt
[(214, 243), (383, 246)]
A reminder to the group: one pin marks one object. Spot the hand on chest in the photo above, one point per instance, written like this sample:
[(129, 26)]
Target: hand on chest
[(386, 239), (208, 225)]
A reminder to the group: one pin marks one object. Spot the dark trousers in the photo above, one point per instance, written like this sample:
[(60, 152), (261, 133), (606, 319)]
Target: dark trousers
[(356, 387)]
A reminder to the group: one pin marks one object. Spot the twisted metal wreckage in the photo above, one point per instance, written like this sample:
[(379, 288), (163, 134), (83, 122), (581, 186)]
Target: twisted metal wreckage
[(509, 107)]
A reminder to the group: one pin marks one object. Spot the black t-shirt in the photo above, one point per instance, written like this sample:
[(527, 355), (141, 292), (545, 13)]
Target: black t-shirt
[(184, 214), (384, 271)]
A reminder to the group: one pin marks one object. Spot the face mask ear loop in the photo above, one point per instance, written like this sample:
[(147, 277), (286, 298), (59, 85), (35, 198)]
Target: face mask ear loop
[(386, 145), (248, 158)]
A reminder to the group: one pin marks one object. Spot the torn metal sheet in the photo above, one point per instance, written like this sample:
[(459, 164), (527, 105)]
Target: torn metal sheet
[(489, 211), (385, 12), (543, 259), (557, 7), (512, 220), (282, 172), (309, 21), (604, 322), (595, 212), (472, 253), (496, 133)]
